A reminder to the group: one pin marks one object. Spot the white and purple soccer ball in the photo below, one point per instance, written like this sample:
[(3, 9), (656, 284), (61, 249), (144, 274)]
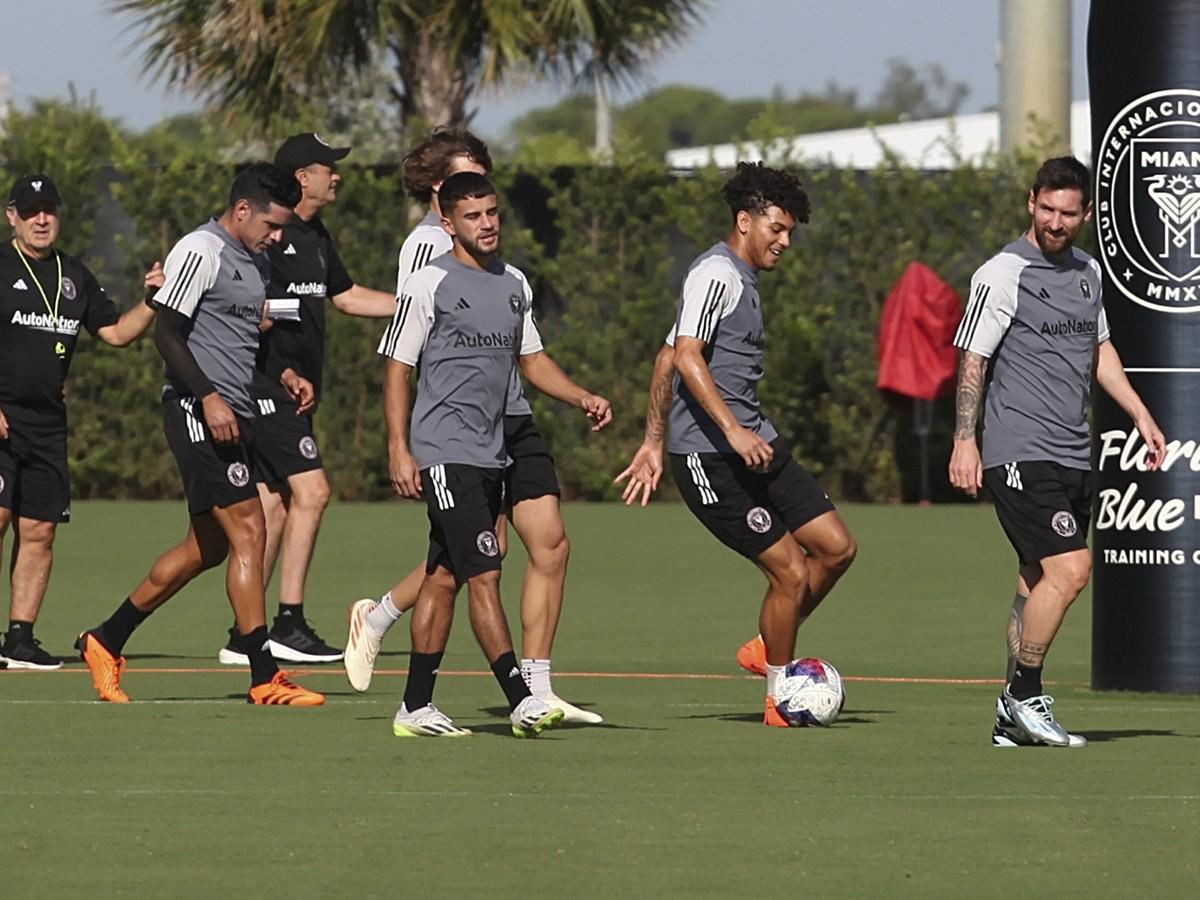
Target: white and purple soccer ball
[(810, 692)]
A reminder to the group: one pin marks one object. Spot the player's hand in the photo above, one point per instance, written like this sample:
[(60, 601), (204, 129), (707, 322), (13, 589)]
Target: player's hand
[(154, 279), (3, 426), (966, 468), (598, 410), (1156, 444), (406, 477), (643, 473), (754, 451), (300, 389), (222, 423)]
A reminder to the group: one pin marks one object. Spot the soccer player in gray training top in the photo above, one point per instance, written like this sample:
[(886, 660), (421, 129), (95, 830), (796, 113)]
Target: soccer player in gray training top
[(531, 485), (465, 317), (306, 273), (1036, 314), (735, 472), (210, 309)]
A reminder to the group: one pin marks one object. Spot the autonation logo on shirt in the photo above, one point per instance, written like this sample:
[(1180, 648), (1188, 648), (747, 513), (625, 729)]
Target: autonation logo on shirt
[(45, 322)]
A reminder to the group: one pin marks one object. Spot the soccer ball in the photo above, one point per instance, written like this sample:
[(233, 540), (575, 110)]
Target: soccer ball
[(809, 692)]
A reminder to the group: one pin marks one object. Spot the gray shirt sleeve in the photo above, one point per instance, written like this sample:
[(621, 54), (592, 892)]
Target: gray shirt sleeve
[(992, 305), (411, 322), (710, 292), (190, 269)]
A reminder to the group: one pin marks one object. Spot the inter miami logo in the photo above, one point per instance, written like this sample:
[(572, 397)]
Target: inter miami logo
[(1148, 198), (758, 520), (68, 288), (238, 474), (1085, 289), (2, 483), (1063, 524), (487, 544), (515, 303), (308, 447)]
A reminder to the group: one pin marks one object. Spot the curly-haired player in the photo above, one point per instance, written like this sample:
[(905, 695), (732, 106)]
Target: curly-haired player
[(735, 472)]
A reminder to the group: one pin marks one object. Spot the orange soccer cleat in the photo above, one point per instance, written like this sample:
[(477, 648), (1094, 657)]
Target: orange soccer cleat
[(106, 669), (752, 656), (772, 717), (282, 691)]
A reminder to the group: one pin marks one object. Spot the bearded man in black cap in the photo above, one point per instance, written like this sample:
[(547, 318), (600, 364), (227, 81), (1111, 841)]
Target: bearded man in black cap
[(306, 271), (46, 296)]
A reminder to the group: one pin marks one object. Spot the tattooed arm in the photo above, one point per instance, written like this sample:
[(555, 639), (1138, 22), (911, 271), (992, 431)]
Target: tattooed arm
[(966, 468), (646, 468)]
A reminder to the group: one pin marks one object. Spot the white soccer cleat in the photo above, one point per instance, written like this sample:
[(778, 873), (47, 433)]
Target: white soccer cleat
[(362, 646), (428, 721), (533, 716), (571, 714), (1005, 732), (1034, 720)]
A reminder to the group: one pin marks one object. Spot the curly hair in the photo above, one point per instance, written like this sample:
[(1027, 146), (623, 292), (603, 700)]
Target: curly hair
[(755, 187), (429, 162)]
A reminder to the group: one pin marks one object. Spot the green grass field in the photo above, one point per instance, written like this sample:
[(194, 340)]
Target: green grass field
[(189, 792)]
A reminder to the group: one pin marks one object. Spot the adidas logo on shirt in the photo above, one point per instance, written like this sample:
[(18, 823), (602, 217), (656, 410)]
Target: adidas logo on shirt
[(20, 285), (290, 251), (462, 304), (237, 276), (1044, 294)]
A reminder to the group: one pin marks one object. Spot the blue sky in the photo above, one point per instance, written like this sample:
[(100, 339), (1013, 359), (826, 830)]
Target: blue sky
[(744, 48)]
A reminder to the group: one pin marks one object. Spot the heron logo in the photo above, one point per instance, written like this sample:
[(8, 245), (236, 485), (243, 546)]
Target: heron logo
[(1148, 201)]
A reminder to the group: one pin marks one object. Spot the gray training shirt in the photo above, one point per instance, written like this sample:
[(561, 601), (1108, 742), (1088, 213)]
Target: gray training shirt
[(221, 286), (719, 305), (1039, 321), (426, 242), (466, 327)]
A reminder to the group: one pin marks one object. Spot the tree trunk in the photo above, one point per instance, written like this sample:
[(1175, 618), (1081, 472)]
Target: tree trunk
[(435, 84)]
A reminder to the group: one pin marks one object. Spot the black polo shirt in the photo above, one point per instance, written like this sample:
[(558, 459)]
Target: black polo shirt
[(35, 346), (304, 265)]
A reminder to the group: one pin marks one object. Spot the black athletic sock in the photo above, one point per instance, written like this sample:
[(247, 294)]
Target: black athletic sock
[(116, 629), (262, 664), (18, 632), (1026, 682), (508, 673), (288, 617), (422, 673)]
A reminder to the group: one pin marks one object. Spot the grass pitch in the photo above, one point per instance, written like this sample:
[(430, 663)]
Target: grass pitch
[(189, 792)]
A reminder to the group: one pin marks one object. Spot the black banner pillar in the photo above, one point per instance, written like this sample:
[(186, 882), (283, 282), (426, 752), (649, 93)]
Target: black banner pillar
[(1144, 72)]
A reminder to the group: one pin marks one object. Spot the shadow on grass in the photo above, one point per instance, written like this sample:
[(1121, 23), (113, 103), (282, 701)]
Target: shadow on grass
[(757, 718), (1099, 737)]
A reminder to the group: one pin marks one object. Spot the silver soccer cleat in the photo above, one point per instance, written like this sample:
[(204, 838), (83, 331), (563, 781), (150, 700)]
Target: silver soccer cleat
[(1026, 722)]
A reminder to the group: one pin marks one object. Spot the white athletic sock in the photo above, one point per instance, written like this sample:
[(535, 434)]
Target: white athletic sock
[(536, 673), (383, 616), (773, 673)]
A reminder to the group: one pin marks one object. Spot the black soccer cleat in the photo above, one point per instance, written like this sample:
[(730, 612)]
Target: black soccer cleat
[(27, 653)]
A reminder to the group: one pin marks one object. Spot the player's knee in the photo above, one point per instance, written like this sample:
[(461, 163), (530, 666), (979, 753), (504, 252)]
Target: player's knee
[(40, 534), (313, 495), (1074, 576), (552, 557), (793, 577), (842, 555)]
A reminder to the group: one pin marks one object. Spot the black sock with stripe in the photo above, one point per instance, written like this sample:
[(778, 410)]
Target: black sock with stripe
[(1026, 682), (262, 663), (508, 673), (422, 673)]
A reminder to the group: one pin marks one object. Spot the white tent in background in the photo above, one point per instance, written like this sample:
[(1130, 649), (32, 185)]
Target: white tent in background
[(927, 144)]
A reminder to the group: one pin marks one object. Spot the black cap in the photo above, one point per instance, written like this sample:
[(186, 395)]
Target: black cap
[(302, 150), (32, 191)]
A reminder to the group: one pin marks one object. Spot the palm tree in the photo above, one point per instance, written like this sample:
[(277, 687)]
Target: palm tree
[(266, 58)]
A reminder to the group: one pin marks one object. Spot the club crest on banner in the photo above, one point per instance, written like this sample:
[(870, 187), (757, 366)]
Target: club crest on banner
[(1148, 200)]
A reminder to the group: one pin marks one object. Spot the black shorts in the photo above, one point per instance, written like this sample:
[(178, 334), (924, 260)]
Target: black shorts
[(283, 441), (34, 481), (213, 474), (531, 473), (749, 511), (463, 503), (1044, 508)]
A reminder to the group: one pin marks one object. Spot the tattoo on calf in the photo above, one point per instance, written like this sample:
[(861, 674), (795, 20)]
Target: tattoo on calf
[(1031, 653)]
